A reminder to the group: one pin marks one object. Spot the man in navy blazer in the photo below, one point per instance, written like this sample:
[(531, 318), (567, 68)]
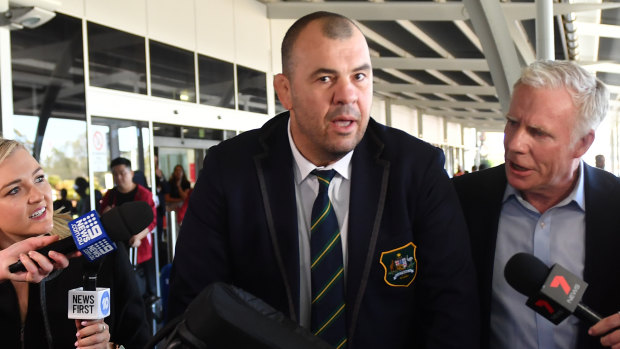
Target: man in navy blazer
[(409, 278), (544, 189)]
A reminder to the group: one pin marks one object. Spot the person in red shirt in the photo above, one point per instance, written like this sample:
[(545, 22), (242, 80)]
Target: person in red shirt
[(126, 191)]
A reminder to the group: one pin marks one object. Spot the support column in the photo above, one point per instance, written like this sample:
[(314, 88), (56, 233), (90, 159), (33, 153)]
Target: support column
[(6, 78), (544, 30)]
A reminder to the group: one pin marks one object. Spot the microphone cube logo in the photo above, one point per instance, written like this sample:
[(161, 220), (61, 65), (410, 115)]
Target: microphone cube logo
[(564, 287), (90, 237), (88, 305), (105, 303)]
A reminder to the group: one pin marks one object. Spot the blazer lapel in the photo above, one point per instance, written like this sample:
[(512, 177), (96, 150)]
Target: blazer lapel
[(275, 175), (369, 181)]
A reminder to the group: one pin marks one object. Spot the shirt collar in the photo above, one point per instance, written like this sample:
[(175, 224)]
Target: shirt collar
[(577, 195), (303, 166)]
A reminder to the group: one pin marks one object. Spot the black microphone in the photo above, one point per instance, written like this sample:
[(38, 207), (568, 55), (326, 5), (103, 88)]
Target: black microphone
[(553, 293), (120, 223)]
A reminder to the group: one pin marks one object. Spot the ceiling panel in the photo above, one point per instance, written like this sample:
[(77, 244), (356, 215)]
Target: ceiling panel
[(426, 54)]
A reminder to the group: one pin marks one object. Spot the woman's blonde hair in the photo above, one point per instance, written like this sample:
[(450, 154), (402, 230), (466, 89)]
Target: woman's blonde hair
[(7, 147), (60, 228)]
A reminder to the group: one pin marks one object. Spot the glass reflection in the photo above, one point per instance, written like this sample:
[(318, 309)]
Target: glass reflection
[(252, 95), (279, 107), (63, 154), (172, 72), (48, 74), (116, 60), (217, 82), (48, 98), (126, 138)]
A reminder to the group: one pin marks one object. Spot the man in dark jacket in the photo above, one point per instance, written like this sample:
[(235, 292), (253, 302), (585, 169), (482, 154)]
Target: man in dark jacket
[(402, 272), (547, 202)]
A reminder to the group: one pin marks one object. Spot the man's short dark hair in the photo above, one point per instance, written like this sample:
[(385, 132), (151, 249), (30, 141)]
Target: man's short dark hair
[(335, 26), (120, 161)]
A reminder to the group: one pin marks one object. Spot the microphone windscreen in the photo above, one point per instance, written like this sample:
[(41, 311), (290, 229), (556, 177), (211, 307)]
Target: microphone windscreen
[(526, 273), (128, 219), (226, 317)]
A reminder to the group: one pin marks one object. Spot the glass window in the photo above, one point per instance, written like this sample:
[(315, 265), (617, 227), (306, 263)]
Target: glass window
[(120, 138), (187, 132), (116, 60), (172, 72), (186, 146), (63, 154), (48, 98), (217, 82), (48, 71), (279, 107), (252, 95)]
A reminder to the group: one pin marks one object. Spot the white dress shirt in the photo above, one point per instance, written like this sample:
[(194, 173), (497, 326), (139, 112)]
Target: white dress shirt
[(306, 190)]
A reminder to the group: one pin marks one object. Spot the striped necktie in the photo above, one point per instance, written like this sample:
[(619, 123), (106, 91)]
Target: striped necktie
[(328, 313)]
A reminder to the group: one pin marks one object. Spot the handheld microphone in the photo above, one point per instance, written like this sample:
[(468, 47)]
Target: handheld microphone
[(553, 293), (89, 232)]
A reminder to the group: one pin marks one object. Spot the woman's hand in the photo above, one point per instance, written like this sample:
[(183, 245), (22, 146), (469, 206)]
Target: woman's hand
[(93, 334), (37, 265)]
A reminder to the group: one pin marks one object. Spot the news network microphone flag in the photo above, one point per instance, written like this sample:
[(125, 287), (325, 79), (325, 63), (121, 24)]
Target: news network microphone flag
[(89, 236), (89, 305), (559, 296)]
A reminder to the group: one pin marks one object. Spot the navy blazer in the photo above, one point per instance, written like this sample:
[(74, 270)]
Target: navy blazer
[(241, 228), (481, 195)]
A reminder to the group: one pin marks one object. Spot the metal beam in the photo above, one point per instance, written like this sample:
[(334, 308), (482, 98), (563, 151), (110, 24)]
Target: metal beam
[(417, 11), (447, 104), (482, 116), (521, 11), (457, 90), (490, 25), (385, 11), (455, 64)]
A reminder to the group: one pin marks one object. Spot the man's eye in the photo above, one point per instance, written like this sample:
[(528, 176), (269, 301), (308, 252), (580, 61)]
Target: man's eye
[(39, 179), (360, 76), (325, 79)]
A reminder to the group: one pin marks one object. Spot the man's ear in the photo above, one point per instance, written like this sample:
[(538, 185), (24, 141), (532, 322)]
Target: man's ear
[(283, 88), (583, 144)]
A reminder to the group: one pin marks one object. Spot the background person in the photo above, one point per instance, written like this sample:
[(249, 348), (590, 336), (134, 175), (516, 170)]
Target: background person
[(35, 315), (600, 161), (398, 273), (547, 202), (83, 205), (66, 205), (126, 190), (178, 187)]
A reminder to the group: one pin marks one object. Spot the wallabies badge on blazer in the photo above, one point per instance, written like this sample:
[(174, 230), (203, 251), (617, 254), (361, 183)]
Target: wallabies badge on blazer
[(400, 264)]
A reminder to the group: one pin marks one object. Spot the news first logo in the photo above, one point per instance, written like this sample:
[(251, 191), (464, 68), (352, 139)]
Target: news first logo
[(89, 305), (90, 237)]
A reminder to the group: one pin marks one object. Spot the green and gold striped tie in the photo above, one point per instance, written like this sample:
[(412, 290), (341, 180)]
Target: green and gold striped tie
[(328, 311)]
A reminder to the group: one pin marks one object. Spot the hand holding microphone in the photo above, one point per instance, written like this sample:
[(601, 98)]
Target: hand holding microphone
[(90, 304), (36, 265), (92, 334)]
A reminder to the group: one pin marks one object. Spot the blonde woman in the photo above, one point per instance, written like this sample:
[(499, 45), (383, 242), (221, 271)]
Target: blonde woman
[(34, 315)]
